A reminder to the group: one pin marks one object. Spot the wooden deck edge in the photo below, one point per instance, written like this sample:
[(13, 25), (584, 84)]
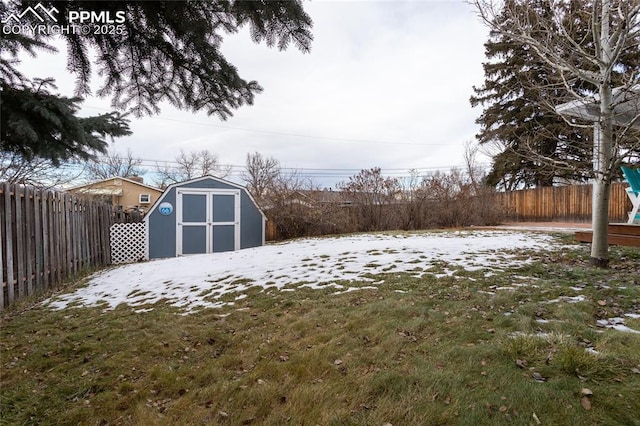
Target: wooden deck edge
[(614, 239), (624, 229)]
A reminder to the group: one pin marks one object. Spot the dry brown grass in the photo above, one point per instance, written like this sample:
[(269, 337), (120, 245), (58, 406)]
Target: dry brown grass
[(414, 351)]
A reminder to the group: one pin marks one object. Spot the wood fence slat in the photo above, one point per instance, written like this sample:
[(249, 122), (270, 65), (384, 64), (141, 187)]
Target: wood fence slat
[(29, 252), (68, 236), (62, 237), (93, 246), (46, 241), (53, 239), (88, 229), (9, 242), (59, 226), (19, 240), (37, 220), (106, 246), (80, 235), (2, 259), (84, 236), (75, 255), (77, 236)]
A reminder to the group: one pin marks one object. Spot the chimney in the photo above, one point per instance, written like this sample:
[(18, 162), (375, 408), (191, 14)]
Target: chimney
[(138, 179)]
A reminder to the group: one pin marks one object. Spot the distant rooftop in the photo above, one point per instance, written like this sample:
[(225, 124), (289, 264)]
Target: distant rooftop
[(626, 107)]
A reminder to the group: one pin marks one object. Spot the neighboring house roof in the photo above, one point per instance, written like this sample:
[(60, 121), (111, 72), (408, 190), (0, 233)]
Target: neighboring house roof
[(312, 198), (626, 111), (101, 191), (329, 197), (89, 188)]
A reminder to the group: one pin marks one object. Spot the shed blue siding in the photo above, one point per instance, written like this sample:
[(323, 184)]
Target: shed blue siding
[(251, 222), (162, 229)]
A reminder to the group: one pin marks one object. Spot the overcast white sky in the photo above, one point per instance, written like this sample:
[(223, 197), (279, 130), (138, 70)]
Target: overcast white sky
[(387, 84)]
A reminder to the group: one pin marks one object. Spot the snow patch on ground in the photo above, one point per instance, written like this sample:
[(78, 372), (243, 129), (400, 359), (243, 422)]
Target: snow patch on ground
[(200, 281), (617, 323), (568, 299)]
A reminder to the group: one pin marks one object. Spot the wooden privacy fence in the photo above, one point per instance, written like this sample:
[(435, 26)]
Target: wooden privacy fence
[(47, 237), (561, 204), (270, 231)]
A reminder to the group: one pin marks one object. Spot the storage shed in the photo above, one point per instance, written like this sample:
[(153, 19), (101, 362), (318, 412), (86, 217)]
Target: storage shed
[(203, 215)]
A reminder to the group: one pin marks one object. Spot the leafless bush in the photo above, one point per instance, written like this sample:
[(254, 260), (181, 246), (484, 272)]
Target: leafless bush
[(374, 198), (369, 201), (454, 201)]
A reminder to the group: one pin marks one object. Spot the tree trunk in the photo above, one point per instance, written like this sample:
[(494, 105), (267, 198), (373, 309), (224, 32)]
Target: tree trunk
[(602, 149), (601, 195)]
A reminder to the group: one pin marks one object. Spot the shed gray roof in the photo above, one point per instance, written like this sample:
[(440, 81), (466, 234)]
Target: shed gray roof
[(186, 182)]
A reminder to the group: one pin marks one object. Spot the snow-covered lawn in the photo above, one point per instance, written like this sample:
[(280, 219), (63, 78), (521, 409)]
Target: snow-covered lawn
[(199, 280)]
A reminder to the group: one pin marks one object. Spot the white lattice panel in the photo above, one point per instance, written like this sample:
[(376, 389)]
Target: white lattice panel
[(128, 242)]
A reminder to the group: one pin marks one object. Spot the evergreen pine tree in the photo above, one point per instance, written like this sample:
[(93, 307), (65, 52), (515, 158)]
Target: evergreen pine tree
[(36, 123), (537, 147), (518, 120), (167, 51)]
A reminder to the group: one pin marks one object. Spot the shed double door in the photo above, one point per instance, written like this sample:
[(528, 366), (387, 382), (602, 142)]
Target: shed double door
[(208, 221)]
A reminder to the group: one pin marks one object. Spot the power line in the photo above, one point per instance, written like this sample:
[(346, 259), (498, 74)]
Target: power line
[(322, 172), (275, 132)]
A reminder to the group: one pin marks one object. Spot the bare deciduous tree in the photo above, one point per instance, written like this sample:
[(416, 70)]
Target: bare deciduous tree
[(114, 164), (38, 172), (474, 170), (414, 200), (613, 31), (261, 174), (190, 165)]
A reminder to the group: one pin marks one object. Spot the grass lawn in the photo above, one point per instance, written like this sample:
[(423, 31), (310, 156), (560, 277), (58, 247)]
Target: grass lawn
[(526, 345)]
